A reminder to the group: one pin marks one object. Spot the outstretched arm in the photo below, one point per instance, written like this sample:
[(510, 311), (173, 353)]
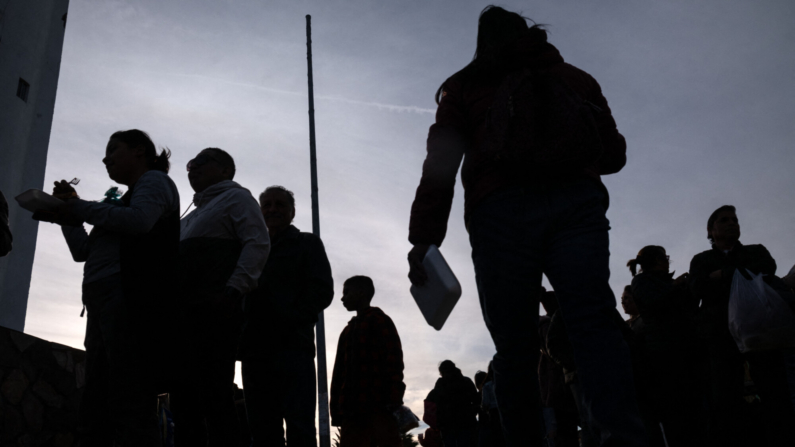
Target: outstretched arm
[(153, 196)]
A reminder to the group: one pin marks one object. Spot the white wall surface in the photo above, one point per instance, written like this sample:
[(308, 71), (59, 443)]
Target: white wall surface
[(31, 40)]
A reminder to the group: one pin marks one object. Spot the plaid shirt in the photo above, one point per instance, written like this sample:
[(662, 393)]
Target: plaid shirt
[(368, 370)]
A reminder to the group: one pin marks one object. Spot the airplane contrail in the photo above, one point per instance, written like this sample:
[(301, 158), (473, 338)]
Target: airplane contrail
[(377, 105)]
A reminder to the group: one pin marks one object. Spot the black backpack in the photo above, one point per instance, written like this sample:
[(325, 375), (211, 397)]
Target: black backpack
[(538, 125)]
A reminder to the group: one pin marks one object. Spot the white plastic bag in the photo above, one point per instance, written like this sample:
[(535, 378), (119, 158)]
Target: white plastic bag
[(759, 319), (406, 419)]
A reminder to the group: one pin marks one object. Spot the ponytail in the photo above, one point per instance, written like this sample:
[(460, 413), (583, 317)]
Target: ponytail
[(633, 266), (647, 258), (135, 138), (160, 162)]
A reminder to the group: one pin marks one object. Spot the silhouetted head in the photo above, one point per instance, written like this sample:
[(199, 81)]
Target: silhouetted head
[(628, 302), (490, 373), (211, 166), (447, 368), (357, 293), (480, 379), (723, 226), (130, 153), (650, 257), (498, 28), (277, 204)]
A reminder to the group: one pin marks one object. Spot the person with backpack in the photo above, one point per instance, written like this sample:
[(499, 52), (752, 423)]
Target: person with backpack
[(710, 280), (223, 248), (456, 399), (672, 349), (128, 288), (535, 134), (278, 342)]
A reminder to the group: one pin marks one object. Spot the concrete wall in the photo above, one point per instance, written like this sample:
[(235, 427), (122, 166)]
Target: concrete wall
[(31, 40), (41, 384)]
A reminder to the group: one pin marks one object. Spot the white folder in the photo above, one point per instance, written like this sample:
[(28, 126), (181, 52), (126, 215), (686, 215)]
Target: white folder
[(440, 293)]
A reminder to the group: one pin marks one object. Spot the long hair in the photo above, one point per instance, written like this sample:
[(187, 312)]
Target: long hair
[(497, 28), (647, 258), (138, 138)]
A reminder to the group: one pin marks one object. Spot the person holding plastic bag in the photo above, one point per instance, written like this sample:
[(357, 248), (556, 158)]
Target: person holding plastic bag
[(127, 288), (710, 280)]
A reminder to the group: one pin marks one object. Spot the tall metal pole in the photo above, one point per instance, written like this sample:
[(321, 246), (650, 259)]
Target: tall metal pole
[(320, 328)]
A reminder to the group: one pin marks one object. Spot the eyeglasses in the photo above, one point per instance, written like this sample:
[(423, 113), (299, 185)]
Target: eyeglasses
[(200, 160)]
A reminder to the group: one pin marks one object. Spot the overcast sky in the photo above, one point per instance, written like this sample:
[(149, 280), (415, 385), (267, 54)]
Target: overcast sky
[(702, 91)]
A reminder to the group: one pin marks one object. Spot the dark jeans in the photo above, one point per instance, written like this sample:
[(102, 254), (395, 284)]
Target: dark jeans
[(586, 436), (560, 231), (280, 388), (461, 437), (117, 405), (203, 402), (674, 396)]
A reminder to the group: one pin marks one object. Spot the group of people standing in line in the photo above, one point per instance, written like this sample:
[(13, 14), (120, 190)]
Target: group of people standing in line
[(173, 302)]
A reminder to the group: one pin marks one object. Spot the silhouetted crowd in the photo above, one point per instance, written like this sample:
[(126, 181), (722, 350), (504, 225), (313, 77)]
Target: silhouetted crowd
[(706, 359), (173, 302)]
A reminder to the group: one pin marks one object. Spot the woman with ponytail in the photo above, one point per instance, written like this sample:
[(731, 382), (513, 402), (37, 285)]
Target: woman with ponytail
[(671, 348), (128, 257)]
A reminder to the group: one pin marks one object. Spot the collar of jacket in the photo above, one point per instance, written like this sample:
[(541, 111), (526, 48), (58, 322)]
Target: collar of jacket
[(213, 191), (737, 246), (663, 275), (291, 232), (370, 311)]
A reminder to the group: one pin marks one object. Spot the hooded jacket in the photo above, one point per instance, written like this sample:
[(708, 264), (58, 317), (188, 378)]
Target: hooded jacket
[(223, 242), (460, 129)]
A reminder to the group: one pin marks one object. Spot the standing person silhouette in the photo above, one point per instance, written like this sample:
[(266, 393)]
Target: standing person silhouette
[(535, 135), (223, 248), (127, 289), (710, 280), (367, 380), (671, 351), (278, 341)]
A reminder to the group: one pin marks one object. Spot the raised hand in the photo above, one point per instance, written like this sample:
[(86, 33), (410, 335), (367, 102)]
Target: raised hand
[(64, 190)]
